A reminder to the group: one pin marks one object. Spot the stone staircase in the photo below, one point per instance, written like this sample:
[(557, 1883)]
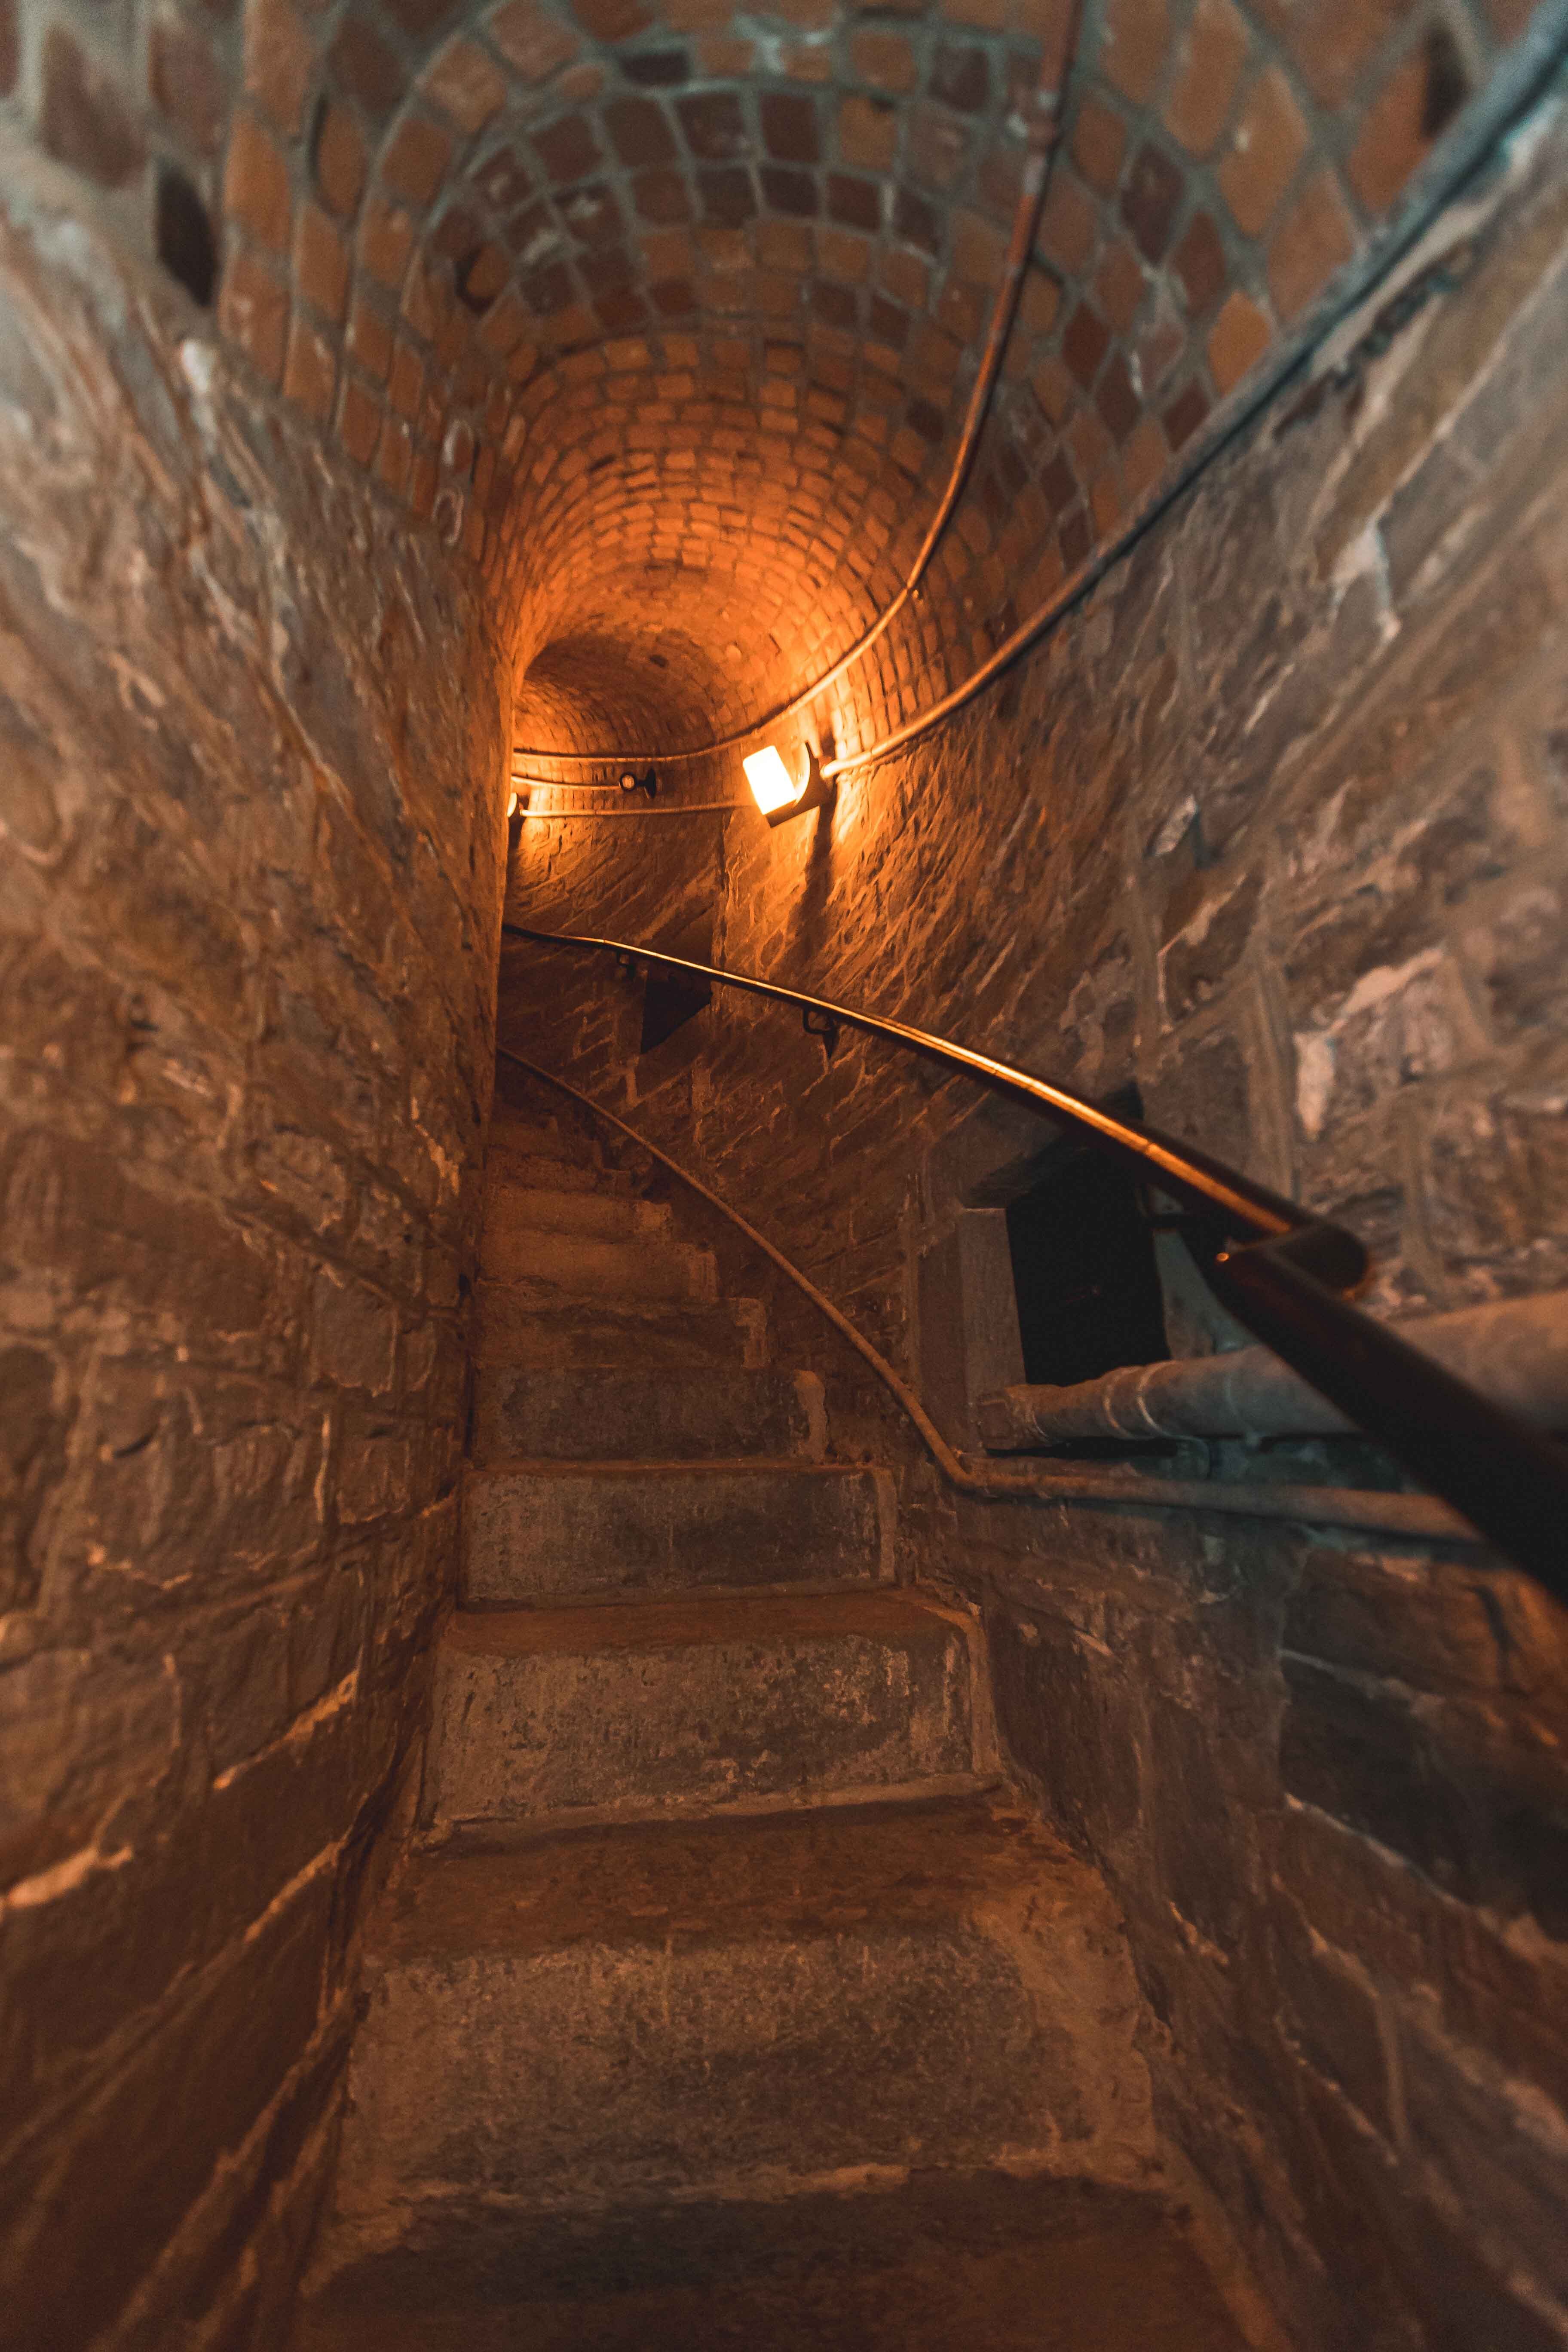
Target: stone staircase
[(725, 1976)]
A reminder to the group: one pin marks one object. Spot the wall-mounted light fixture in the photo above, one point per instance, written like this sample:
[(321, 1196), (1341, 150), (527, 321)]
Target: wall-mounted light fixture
[(781, 792), (648, 783)]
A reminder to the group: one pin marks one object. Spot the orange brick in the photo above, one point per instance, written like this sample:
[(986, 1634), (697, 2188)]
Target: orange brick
[(277, 60), (406, 381), (724, 58), (256, 193), (184, 82), (885, 59), (1054, 389), (1270, 141), (1144, 459), (1137, 35), (1331, 41), (414, 161), (370, 339), (1105, 502), (1098, 144), (1313, 240), (254, 313), (1401, 125), (422, 487), (1068, 225), (339, 160), (1119, 285), (504, 324), (1237, 340), (1039, 303), (960, 311), (1089, 441), (905, 277), (309, 376), (467, 86), (385, 242), (1213, 55), (533, 43), (320, 261), (426, 298), (394, 455), (868, 133)]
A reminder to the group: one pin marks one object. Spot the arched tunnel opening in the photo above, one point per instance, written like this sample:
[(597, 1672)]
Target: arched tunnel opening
[(783, 1571)]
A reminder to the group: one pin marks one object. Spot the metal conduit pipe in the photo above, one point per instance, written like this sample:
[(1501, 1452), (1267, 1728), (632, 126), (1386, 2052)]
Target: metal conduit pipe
[(1515, 1352), (1048, 116)]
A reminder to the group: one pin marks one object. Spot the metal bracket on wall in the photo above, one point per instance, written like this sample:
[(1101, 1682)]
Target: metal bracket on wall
[(823, 1025)]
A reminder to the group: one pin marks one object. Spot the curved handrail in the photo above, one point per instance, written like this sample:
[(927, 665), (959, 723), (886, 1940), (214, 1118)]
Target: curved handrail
[(1285, 1274)]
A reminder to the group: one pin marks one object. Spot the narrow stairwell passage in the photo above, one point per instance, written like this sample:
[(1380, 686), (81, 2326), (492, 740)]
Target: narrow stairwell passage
[(728, 1996)]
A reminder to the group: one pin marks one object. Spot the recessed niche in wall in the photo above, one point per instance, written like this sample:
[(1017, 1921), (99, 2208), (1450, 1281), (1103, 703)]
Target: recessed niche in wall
[(184, 239), (671, 1000), (1084, 1271), (1031, 1261)]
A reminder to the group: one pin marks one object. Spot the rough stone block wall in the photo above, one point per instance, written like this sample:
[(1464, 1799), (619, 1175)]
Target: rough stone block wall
[(1275, 826), (251, 793)]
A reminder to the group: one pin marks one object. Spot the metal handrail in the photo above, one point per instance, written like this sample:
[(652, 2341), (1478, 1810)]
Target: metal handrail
[(1287, 1275)]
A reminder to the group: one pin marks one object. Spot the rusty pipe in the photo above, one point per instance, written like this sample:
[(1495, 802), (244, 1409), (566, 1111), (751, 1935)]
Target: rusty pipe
[(1513, 1351)]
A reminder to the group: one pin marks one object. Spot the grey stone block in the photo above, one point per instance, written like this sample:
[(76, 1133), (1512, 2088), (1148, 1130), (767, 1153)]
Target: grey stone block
[(668, 1706), (554, 1533), (739, 2005), (606, 1414)]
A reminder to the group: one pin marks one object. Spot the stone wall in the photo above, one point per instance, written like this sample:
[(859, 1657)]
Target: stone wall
[(251, 827), (1276, 827)]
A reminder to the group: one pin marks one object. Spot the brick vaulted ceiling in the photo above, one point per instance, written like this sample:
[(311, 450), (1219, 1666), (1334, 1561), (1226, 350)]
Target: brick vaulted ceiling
[(667, 313)]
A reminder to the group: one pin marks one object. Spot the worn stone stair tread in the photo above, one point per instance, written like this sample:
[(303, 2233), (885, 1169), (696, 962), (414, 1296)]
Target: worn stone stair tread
[(513, 1324), (969, 2262), (591, 1266), (508, 1170), (613, 1413), (774, 1877), (684, 1621), (544, 1534), (563, 1209), (736, 2008), (696, 1703)]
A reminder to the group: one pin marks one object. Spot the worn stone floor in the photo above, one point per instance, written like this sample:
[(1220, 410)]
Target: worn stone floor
[(977, 2263)]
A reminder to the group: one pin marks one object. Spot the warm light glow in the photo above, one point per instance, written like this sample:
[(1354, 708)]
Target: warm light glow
[(773, 786)]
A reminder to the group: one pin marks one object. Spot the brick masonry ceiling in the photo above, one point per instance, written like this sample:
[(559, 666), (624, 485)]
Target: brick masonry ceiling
[(666, 314)]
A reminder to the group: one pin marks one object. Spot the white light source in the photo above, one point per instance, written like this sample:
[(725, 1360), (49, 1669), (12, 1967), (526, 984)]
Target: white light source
[(781, 795), (773, 786)]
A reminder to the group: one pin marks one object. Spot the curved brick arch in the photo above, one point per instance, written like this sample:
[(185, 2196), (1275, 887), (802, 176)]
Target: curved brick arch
[(813, 197)]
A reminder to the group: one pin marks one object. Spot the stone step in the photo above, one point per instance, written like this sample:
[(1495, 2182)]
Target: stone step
[(538, 1171), (538, 1534), (728, 1701), (603, 1216), (582, 1265), (515, 1323), (961, 2261), (601, 1415), (730, 2009), (511, 1139)]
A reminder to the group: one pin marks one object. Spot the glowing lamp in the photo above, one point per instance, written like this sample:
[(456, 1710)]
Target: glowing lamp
[(779, 793)]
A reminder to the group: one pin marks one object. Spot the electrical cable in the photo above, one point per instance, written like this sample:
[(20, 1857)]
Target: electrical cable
[(679, 808), (1050, 107), (1521, 81)]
